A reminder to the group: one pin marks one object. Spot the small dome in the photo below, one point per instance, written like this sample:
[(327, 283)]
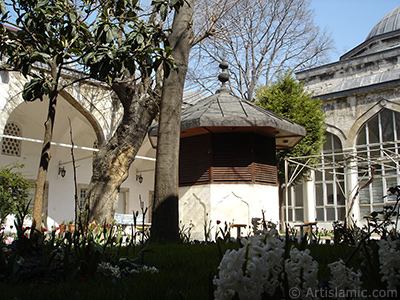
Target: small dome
[(390, 22)]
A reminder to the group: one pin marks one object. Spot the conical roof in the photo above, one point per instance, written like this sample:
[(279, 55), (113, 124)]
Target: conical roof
[(225, 112)]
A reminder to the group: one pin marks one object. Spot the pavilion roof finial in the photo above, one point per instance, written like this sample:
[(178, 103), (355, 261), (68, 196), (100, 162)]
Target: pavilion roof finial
[(224, 76)]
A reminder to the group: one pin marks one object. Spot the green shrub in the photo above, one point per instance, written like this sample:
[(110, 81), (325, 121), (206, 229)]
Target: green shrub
[(14, 190)]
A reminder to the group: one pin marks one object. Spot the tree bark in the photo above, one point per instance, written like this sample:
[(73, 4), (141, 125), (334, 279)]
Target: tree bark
[(165, 225), (111, 164), (45, 154), (44, 164)]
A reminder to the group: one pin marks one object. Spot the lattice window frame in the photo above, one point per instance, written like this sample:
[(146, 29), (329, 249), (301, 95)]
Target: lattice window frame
[(10, 146)]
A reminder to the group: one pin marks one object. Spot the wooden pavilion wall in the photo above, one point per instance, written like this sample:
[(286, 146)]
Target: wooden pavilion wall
[(227, 158)]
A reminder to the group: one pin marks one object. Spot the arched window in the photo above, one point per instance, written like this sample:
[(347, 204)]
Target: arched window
[(378, 166), (329, 182), (10, 146)]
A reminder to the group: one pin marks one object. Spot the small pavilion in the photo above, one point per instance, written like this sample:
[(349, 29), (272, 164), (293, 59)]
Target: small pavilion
[(227, 163)]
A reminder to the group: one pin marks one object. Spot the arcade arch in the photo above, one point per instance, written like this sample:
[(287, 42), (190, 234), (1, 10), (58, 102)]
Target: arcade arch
[(30, 117), (352, 180), (377, 146)]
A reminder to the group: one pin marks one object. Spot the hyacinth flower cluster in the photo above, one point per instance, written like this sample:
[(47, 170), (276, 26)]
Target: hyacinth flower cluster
[(261, 269), (113, 271), (247, 270), (302, 271), (109, 270), (148, 269), (389, 259), (258, 268), (344, 278)]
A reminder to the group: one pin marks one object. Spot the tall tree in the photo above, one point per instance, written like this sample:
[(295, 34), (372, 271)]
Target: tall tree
[(288, 98), (133, 58), (139, 90), (182, 40), (140, 95), (48, 35), (260, 39), (122, 46), (165, 206)]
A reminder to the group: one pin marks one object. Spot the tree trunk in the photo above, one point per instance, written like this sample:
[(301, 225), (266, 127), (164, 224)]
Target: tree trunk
[(111, 164), (165, 207), (44, 164), (45, 155)]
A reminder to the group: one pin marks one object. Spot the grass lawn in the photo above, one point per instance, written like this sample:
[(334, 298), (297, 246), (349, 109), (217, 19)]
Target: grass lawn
[(184, 273)]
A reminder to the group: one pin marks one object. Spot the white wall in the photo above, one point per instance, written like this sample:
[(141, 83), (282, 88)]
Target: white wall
[(233, 203), (31, 117)]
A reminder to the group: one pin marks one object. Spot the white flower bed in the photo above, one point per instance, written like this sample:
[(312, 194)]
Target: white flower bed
[(259, 268)]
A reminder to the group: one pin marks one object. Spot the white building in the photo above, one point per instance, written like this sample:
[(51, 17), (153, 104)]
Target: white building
[(360, 161), (227, 161), (93, 114), (361, 97), (233, 192)]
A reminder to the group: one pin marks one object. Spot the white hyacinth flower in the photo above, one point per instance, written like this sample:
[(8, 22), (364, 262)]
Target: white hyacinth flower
[(389, 258), (344, 278), (301, 271)]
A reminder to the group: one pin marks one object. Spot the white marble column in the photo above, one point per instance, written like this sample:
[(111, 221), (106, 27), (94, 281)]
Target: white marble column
[(352, 201), (309, 197)]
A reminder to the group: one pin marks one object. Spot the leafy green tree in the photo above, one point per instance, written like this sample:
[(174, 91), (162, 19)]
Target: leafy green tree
[(288, 98), (49, 34), (14, 190), (129, 50), (132, 55), (122, 46)]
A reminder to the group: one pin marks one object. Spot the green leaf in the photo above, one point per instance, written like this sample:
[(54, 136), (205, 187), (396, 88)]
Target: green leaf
[(167, 69), (109, 36), (42, 3), (140, 38), (72, 17), (164, 11), (33, 90), (40, 56), (172, 3), (88, 57), (2, 7)]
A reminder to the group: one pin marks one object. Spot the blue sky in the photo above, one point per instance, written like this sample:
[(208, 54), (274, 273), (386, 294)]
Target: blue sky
[(350, 21)]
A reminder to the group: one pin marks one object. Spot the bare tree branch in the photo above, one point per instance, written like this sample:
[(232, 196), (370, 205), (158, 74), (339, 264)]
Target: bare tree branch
[(259, 39)]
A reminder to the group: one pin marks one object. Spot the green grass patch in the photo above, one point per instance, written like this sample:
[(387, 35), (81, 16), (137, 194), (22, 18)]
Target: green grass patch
[(185, 272)]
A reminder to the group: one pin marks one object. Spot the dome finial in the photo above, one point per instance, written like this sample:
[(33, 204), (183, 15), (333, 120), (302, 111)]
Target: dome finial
[(224, 76)]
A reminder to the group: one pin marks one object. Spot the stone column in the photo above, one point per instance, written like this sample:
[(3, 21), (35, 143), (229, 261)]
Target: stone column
[(309, 197), (352, 199)]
